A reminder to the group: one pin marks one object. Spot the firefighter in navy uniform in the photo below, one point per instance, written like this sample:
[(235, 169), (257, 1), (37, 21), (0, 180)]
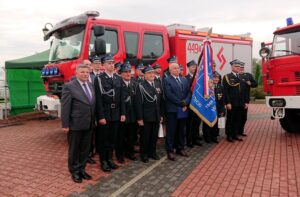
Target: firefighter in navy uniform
[(193, 121), (210, 134), (139, 74), (149, 114), (249, 83), (108, 112), (157, 71), (127, 132), (236, 100)]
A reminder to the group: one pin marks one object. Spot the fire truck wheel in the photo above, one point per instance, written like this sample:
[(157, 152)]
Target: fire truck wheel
[(290, 123)]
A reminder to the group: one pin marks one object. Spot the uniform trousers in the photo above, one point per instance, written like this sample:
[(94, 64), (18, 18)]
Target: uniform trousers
[(148, 138)]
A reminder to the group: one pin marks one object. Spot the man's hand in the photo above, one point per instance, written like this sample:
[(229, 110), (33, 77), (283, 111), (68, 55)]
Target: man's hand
[(184, 108), (123, 118), (102, 121), (228, 106), (249, 83), (66, 130), (161, 119), (246, 105), (140, 122)]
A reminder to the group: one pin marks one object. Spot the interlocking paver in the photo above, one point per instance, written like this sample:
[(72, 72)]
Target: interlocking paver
[(264, 164)]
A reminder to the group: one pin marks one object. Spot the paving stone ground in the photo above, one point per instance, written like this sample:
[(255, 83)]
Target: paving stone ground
[(33, 159)]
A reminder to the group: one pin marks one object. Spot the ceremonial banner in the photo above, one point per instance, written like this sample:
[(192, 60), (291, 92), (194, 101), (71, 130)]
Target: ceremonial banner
[(203, 99)]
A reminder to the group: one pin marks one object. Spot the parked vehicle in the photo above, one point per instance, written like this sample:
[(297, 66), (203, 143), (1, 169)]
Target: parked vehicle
[(281, 75), (80, 37)]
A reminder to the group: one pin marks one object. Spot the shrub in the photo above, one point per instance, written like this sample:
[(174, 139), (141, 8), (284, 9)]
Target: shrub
[(258, 92)]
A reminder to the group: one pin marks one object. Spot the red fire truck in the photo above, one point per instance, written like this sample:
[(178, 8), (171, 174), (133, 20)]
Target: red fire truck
[(80, 37), (281, 76)]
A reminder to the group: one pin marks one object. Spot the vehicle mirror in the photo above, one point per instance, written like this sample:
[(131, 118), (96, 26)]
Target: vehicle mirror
[(98, 31), (264, 52), (100, 46)]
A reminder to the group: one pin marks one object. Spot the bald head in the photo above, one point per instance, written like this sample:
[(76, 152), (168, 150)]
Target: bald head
[(174, 69)]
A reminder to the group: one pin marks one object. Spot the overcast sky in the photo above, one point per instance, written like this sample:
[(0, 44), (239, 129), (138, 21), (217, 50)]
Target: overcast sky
[(21, 22)]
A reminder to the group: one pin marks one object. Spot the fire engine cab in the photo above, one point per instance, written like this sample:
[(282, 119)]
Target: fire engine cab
[(281, 75), (83, 36)]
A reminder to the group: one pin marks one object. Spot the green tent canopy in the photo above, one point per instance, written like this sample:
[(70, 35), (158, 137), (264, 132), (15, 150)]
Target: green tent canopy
[(24, 81), (36, 61)]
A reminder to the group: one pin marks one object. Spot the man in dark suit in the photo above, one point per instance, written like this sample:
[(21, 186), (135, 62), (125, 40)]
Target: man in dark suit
[(249, 83), (193, 121), (127, 131), (149, 112), (177, 98), (108, 112), (236, 100), (77, 115)]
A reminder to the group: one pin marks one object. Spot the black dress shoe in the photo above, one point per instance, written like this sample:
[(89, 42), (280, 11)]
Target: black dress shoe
[(171, 157), (229, 139), (154, 156), (112, 165), (244, 134), (90, 161), (105, 167), (145, 159), (182, 153), (190, 145), (76, 178), (85, 175), (238, 139), (215, 141)]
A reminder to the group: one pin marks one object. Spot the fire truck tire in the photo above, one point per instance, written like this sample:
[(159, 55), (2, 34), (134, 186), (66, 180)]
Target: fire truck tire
[(291, 122)]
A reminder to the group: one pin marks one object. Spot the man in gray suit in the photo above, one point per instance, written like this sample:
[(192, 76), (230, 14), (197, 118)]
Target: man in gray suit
[(77, 115)]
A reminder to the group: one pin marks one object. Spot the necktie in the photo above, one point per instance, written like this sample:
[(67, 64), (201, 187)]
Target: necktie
[(179, 83), (152, 84), (87, 93)]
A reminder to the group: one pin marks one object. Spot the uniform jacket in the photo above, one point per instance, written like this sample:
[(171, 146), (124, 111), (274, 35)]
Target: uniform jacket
[(108, 97), (128, 96), (235, 91), (77, 113), (219, 97), (148, 108), (248, 77), (174, 96)]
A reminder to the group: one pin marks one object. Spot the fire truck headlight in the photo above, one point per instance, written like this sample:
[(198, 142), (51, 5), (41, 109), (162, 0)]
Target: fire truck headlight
[(264, 52), (277, 102)]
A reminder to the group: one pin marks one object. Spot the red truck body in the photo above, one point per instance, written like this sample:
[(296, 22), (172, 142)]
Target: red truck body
[(73, 40), (281, 76)]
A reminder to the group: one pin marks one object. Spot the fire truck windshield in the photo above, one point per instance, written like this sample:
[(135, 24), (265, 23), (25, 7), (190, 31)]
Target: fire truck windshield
[(286, 44), (66, 44)]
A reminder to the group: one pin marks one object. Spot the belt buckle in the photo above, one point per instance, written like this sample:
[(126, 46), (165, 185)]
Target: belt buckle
[(112, 106)]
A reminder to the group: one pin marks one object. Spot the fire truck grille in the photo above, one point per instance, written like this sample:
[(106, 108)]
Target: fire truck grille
[(55, 87), (297, 76), (297, 90)]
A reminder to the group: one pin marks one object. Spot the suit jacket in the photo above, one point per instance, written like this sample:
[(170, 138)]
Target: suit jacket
[(128, 97), (176, 97), (108, 106), (235, 91), (148, 109), (77, 113)]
